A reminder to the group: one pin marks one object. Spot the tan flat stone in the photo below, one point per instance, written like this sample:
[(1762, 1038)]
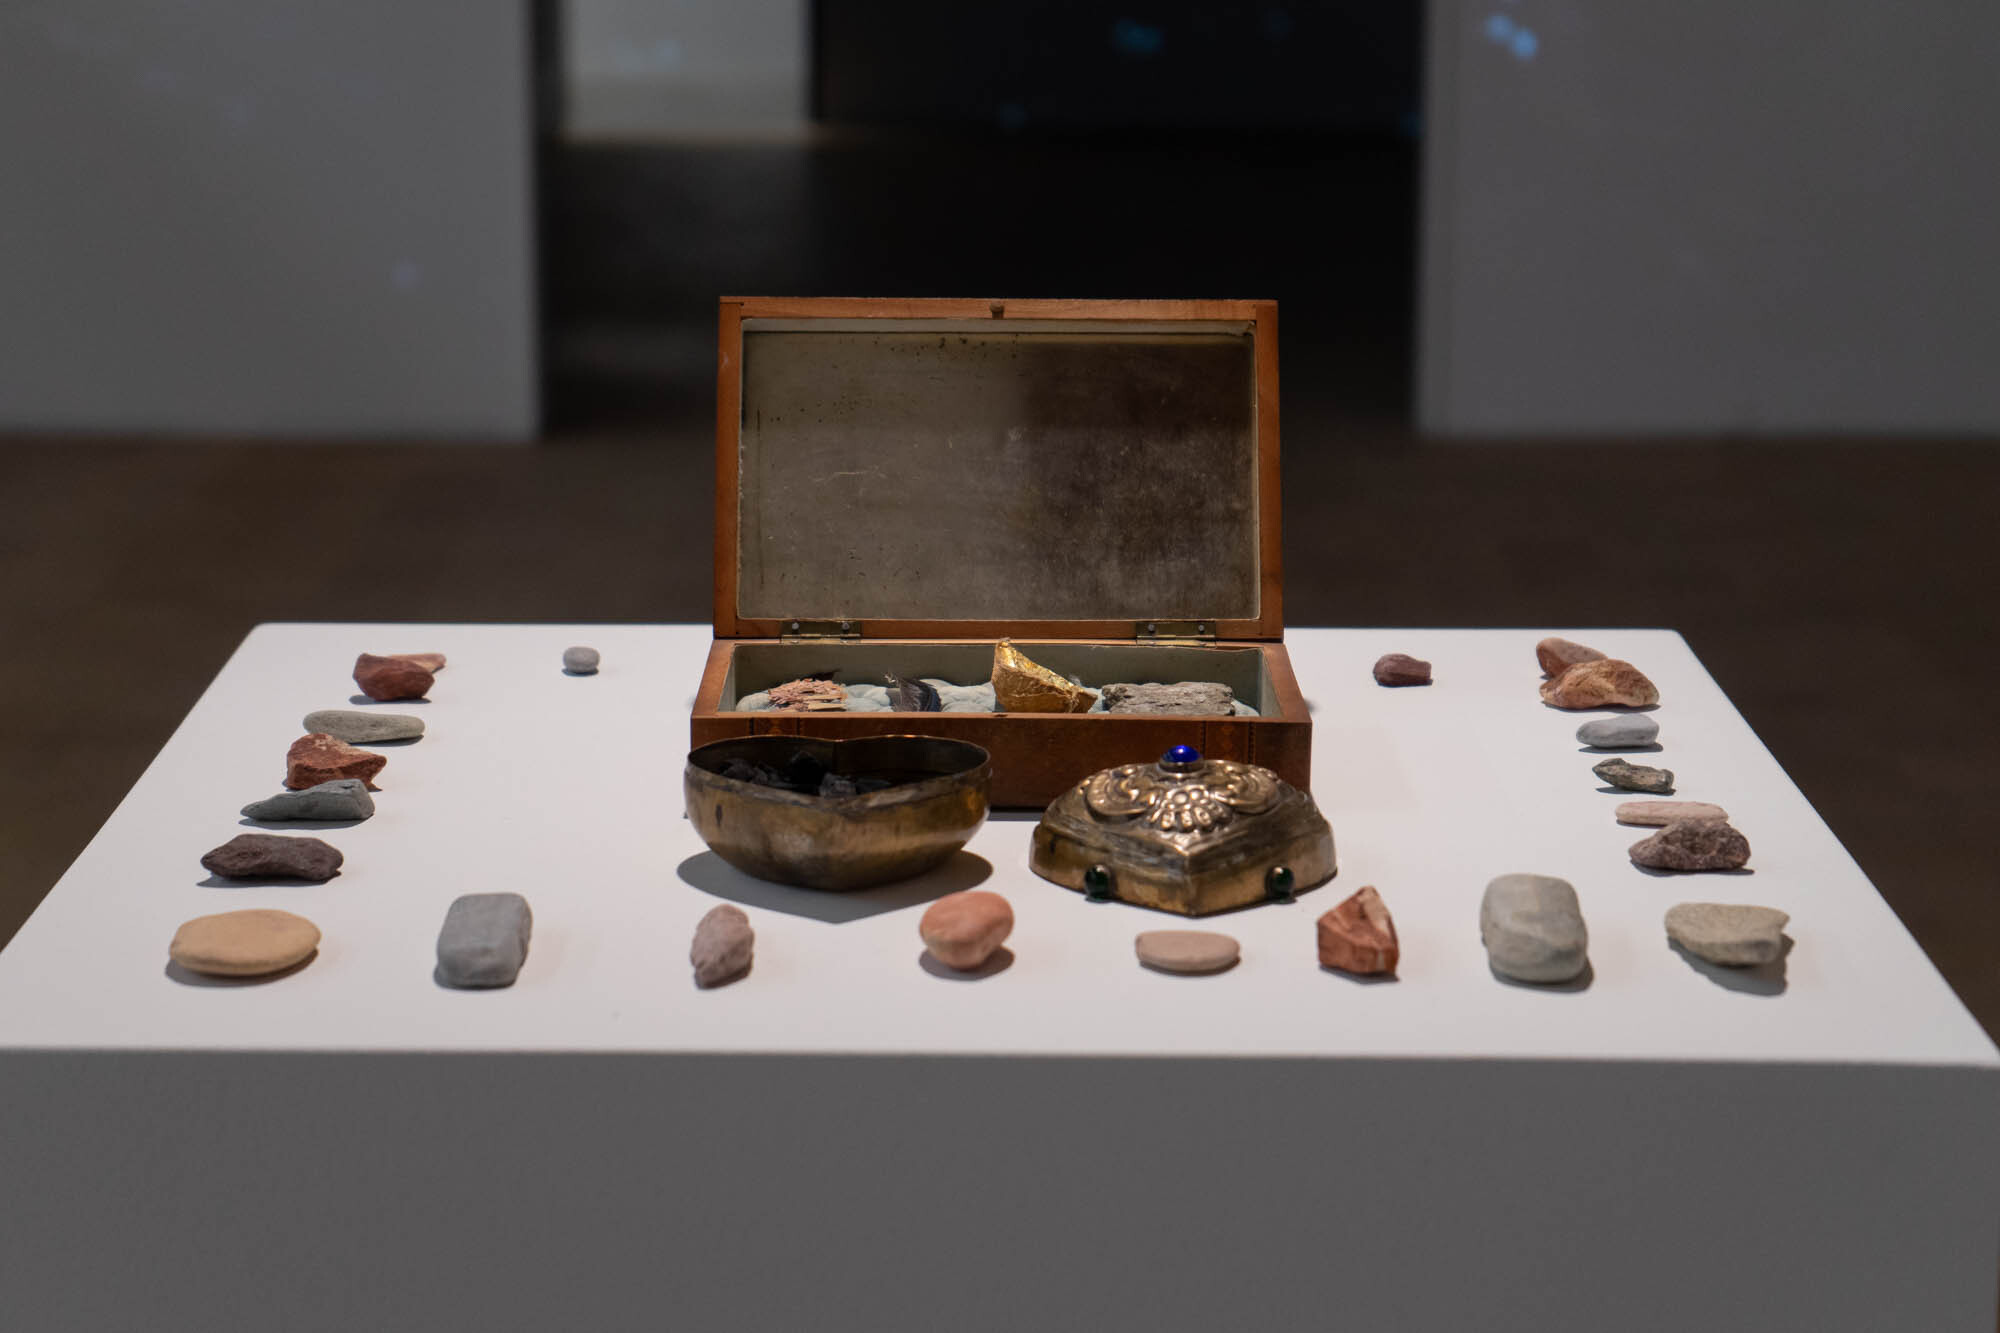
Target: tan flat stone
[(1659, 814), (1022, 686), (1190, 952), (248, 943)]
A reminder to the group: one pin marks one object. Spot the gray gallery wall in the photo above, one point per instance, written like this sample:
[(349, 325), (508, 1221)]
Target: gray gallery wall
[(1711, 216), (267, 217)]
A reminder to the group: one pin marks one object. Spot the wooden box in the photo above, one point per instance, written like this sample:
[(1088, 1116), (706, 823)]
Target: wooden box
[(901, 482)]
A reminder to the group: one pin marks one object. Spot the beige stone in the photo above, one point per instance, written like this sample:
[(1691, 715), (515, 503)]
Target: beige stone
[(1022, 686), (248, 943), (1607, 683), (1659, 814), (1186, 951), (962, 930)]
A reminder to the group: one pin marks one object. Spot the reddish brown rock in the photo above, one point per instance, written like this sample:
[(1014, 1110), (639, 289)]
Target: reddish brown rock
[(962, 930), (1559, 655), (1605, 683), (1401, 669), (1358, 935), (317, 757), (1693, 844), (386, 678), (431, 662)]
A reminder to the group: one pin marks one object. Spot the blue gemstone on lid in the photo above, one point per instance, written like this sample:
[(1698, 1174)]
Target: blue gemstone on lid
[(1181, 756)]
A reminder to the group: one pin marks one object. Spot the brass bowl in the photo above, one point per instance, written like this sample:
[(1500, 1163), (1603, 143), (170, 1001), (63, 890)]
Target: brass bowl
[(840, 842)]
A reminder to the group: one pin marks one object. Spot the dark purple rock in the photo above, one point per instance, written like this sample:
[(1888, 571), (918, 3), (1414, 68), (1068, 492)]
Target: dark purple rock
[(273, 856), (1402, 669), (1693, 844), (722, 944)]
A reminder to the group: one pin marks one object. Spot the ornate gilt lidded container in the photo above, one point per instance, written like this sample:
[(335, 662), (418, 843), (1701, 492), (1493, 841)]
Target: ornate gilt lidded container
[(1186, 834)]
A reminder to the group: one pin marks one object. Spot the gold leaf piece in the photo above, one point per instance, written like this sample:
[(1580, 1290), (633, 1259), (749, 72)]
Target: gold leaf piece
[(1022, 686)]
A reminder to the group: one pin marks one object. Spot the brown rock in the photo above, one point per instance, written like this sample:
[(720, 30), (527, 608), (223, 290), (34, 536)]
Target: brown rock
[(1659, 814), (386, 678), (1358, 936), (962, 930), (1190, 952), (809, 696), (273, 856), (1605, 683), (1693, 844), (722, 946), (1558, 655), (249, 943), (431, 662), (1022, 686), (1401, 669), (317, 757)]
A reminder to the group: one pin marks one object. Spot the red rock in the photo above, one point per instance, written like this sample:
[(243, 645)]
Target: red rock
[(1401, 669), (1693, 844), (1558, 655), (386, 678), (962, 930), (431, 662), (1358, 935), (317, 757), (1604, 683)]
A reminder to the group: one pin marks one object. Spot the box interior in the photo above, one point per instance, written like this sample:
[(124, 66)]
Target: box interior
[(758, 666), (953, 469)]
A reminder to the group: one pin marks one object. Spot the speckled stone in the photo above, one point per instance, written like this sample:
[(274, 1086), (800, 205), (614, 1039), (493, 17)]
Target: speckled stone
[(723, 942), (1628, 776), (1608, 683), (1532, 926), (342, 798), (962, 930), (484, 940), (580, 661), (1187, 952), (1693, 844), (1187, 698), (253, 942), (359, 727), (273, 856), (1728, 934), (1627, 731)]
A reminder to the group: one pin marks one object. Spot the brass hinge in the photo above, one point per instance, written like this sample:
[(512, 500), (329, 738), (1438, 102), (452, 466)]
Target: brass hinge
[(817, 631), (1174, 631)]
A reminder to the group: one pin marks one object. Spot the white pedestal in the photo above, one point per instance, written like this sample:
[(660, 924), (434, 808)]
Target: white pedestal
[(845, 1140)]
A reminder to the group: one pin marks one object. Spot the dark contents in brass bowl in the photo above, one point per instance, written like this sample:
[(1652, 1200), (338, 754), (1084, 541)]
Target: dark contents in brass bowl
[(808, 775)]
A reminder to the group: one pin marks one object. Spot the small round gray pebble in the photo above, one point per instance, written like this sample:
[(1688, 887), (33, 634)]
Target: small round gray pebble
[(580, 661), (1626, 732)]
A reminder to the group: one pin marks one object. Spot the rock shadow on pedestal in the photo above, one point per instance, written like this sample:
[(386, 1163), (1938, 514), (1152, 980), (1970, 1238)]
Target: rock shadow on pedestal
[(1766, 979), (997, 962), (299, 825), (1618, 751), (1580, 982), (1362, 978), (390, 705), (1657, 873), (263, 882), (717, 878), (188, 977)]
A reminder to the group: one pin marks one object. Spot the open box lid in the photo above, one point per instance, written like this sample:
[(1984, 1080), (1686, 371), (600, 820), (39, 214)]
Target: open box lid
[(970, 469)]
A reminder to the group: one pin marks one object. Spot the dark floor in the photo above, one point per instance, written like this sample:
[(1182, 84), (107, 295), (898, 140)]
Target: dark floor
[(1841, 591)]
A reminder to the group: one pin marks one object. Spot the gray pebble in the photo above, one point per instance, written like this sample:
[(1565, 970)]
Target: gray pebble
[(1187, 698), (1728, 934), (723, 942), (364, 728), (342, 798), (580, 660), (1533, 928), (272, 856), (1626, 732), (1635, 777), (484, 940)]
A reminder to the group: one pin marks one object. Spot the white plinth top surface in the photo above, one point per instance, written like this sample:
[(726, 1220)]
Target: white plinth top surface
[(568, 790)]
